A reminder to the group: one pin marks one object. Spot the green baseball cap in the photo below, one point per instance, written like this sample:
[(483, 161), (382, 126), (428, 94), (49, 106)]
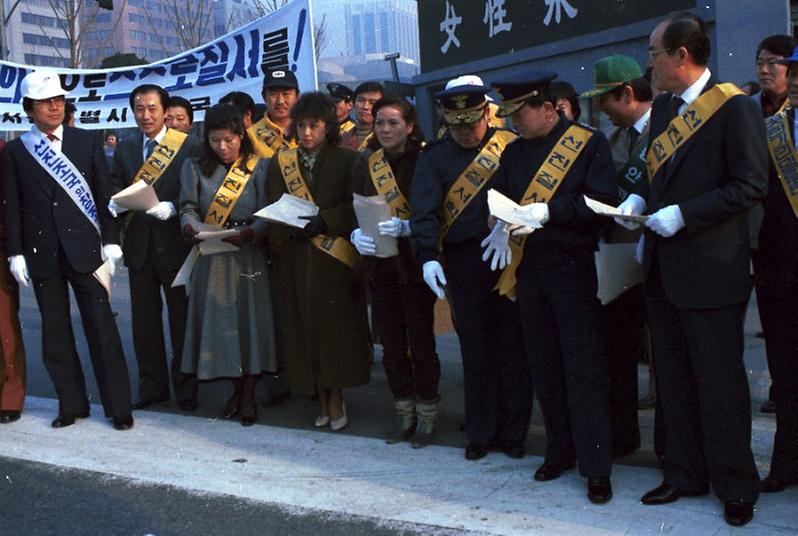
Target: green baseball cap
[(611, 72)]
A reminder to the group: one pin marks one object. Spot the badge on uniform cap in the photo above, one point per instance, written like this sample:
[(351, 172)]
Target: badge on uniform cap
[(278, 74)]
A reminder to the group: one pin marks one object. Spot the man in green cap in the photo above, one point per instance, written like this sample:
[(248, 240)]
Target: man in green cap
[(625, 96)]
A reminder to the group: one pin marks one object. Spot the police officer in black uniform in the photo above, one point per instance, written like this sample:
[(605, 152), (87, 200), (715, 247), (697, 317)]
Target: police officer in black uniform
[(556, 277), (498, 394)]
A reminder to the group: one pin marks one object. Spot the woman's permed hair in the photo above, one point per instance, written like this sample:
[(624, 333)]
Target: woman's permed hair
[(223, 117)]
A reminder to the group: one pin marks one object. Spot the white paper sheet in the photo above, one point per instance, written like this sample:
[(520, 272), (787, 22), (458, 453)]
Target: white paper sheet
[(603, 209), (617, 270), (370, 211), (287, 211), (137, 196), (504, 208)]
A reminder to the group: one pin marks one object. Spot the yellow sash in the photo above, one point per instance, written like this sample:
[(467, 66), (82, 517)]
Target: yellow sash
[(226, 197), (385, 183), (346, 126), (267, 138), (784, 156), (541, 189), (365, 141), (683, 126), (161, 157), (473, 178), (335, 246)]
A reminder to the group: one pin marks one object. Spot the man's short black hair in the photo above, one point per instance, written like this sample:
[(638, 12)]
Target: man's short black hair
[(243, 101), (149, 88), (780, 45), (182, 103), (688, 31), (369, 87), (641, 87)]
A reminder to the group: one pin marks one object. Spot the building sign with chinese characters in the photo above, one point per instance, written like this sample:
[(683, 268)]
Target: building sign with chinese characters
[(458, 31), (236, 61)]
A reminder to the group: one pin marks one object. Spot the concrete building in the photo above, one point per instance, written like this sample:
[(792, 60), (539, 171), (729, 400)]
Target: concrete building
[(35, 35)]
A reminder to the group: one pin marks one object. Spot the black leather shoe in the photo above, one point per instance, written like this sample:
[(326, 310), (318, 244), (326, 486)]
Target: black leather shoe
[(599, 489), (549, 471), (9, 416), (774, 484), (62, 421), (144, 403), (474, 452), (738, 513), (515, 452), (187, 405), (665, 493), (275, 397), (123, 422), (768, 407)]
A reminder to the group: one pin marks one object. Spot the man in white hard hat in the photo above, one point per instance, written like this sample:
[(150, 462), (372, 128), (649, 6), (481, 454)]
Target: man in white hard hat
[(59, 234)]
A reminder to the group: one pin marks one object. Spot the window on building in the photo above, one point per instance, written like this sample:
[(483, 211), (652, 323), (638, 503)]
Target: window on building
[(46, 41), (137, 35), (45, 61)]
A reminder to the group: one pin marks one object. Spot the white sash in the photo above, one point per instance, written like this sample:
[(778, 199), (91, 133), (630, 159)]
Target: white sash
[(67, 176)]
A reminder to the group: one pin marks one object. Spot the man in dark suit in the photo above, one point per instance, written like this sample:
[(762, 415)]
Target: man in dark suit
[(54, 240), (154, 251), (777, 289), (696, 263)]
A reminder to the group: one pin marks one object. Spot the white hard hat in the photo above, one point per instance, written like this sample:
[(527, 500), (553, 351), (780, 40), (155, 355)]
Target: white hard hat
[(42, 84)]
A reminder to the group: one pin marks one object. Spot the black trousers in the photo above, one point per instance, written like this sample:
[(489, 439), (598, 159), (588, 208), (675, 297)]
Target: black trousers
[(624, 335), (146, 303), (780, 322), (703, 393), (405, 316), (58, 343), (560, 316), (498, 391)]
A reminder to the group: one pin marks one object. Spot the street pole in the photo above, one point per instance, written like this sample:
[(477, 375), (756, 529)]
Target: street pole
[(3, 23), (394, 69)]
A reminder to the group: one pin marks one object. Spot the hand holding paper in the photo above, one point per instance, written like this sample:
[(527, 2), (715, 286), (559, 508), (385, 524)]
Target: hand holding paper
[(667, 221), (365, 245), (163, 210), (115, 209), (137, 196), (394, 227)]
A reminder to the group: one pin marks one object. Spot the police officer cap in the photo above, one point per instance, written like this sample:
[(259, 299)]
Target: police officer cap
[(339, 92), (463, 101), (282, 78), (790, 59), (516, 89)]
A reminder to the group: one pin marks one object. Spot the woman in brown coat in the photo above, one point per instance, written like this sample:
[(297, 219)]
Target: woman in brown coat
[(402, 303), (12, 354), (322, 330)]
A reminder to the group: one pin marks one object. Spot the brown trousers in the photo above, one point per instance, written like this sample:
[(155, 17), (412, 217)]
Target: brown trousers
[(12, 353)]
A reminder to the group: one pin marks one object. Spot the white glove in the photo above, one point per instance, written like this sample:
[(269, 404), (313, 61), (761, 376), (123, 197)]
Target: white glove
[(497, 245), (666, 221), (113, 254), (163, 211), (534, 215), (395, 227), (434, 278), (634, 205), (115, 209), (19, 269), (364, 245)]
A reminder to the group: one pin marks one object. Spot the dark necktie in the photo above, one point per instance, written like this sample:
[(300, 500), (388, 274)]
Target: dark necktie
[(150, 147), (51, 137), (632, 138), (676, 103)]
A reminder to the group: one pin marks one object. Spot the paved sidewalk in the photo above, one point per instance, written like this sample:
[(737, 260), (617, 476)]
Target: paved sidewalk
[(362, 476)]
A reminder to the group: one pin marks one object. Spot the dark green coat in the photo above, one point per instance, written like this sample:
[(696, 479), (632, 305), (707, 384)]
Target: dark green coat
[(321, 307)]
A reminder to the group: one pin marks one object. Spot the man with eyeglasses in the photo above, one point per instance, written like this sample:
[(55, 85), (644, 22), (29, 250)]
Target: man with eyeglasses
[(707, 166), (60, 235), (449, 221), (366, 94)]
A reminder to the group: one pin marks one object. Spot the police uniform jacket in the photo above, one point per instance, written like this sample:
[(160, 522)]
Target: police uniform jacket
[(437, 169), (572, 227)]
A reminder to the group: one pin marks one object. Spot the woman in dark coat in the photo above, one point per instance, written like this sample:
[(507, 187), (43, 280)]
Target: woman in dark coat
[(323, 341), (402, 304)]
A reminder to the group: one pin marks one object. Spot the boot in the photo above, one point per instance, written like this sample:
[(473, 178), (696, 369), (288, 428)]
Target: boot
[(231, 408), (427, 411), (247, 407), (405, 420)]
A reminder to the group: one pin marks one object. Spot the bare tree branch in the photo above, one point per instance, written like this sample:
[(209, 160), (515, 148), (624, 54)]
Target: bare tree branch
[(78, 24)]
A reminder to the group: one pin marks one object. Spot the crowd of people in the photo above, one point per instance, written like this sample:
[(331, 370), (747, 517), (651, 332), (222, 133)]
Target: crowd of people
[(698, 170)]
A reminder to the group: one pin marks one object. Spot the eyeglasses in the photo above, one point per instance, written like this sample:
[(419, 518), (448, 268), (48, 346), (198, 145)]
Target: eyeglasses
[(653, 53), (770, 64)]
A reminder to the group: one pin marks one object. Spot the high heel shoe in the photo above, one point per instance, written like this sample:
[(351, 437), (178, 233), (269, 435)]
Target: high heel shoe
[(248, 419), (339, 423), (321, 421), (231, 408)]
